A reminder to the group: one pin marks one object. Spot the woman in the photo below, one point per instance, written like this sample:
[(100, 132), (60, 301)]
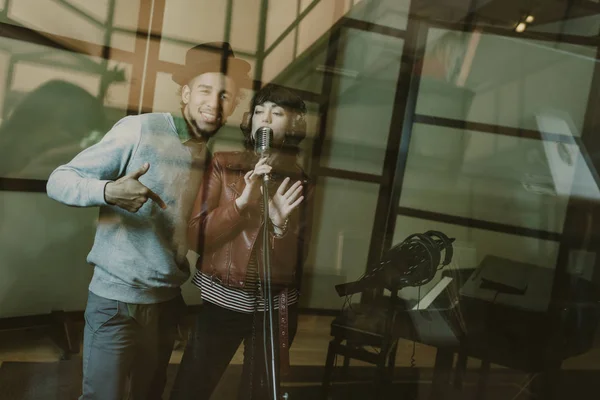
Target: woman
[(226, 229)]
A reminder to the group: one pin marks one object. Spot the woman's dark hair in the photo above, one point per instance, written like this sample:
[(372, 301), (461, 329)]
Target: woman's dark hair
[(291, 102)]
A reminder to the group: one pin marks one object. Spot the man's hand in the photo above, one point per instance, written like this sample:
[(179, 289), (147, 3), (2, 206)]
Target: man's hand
[(129, 194)]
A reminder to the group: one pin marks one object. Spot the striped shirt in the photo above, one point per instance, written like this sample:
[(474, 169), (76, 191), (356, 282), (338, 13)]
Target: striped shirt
[(245, 300), (232, 298)]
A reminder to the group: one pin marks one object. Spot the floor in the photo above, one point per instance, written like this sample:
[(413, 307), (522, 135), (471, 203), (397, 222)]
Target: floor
[(309, 348)]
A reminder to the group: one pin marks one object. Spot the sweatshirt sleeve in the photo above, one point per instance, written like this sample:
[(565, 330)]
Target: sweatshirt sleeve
[(81, 182)]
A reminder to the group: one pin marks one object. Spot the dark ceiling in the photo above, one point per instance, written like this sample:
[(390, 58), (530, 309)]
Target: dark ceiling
[(505, 13)]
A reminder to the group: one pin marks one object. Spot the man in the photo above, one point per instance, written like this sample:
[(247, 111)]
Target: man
[(139, 253)]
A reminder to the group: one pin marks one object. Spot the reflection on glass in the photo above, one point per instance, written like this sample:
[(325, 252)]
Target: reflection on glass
[(364, 88), (339, 248), (483, 176), (48, 128), (505, 79)]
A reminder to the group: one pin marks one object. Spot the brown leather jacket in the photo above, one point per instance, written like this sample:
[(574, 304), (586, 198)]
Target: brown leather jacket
[(224, 238)]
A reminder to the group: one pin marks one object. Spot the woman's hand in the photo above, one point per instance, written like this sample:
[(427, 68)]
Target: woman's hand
[(252, 178), (284, 202)]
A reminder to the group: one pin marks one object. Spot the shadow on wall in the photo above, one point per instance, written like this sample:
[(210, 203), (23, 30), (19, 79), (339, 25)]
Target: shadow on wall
[(43, 243), (48, 128)]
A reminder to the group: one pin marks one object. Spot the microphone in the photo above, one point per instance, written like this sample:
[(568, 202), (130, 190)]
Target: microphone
[(262, 143), (263, 140)]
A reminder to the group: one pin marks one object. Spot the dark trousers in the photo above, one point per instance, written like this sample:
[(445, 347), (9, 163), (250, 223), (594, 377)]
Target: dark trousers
[(216, 336), (126, 348)]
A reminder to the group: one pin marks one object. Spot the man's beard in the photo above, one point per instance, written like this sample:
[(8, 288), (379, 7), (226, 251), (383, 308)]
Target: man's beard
[(200, 132), (206, 133)]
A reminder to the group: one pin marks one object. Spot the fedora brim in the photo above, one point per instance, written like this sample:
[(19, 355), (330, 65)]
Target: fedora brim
[(236, 69)]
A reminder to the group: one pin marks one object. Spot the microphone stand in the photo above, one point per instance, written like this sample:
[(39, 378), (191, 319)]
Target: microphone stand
[(269, 296)]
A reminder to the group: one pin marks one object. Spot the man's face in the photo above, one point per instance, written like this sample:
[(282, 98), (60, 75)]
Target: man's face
[(209, 99)]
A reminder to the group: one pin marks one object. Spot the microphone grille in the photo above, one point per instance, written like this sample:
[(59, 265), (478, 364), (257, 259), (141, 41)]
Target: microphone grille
[(264, 138)]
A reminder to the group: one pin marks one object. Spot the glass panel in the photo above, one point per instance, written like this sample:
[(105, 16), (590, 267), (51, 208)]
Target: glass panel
[(305, 3), (392, 13), (125, 21), (123, 40), (304, 72), (503, 81), (279, 59), (34, 14), (187, 24), (341, 233), (473, 160), (483, 176), (363, 100), (280, 15), (33, 244), (245, 20), (315, 24), (88, 25)]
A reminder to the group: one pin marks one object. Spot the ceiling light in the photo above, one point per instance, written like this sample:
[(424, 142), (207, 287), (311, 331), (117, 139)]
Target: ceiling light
[(529, 19), (521, 27)]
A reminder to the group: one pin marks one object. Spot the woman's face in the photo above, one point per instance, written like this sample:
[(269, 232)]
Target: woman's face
[(273, 116)]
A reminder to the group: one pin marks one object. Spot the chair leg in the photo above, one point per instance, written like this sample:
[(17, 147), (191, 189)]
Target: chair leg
[(325, 385), (484, 372), (346, 368), (380, 377), (461, 367), (392, 361), (383, 376), (441, 373), (544, 387)]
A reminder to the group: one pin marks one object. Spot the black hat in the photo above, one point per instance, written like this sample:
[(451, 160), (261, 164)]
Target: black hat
[(207, 57)]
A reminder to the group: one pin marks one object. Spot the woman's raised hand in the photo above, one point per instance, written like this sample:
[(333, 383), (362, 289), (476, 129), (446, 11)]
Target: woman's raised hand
[(285, 201), (252, 178)]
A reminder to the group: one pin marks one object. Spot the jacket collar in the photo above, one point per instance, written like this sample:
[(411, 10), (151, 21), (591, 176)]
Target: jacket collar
[(244, 161)]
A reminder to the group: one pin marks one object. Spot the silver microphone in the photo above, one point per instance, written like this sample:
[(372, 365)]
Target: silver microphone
[(262, 143), (263, 140)]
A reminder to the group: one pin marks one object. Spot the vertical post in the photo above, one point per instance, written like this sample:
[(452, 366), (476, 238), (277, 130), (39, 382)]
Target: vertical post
[(108, 30), (326, 95), (151, 68), (260, 51), (139, 58), (401, 126), (296, 29), (7, 85), (227, 37)]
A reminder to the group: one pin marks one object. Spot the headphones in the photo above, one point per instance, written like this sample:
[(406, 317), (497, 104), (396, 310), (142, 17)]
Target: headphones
[(293, 137), (447, 245)]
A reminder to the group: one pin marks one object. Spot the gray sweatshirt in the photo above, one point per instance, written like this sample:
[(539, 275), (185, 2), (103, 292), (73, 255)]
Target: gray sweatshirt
[(138, 257)]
